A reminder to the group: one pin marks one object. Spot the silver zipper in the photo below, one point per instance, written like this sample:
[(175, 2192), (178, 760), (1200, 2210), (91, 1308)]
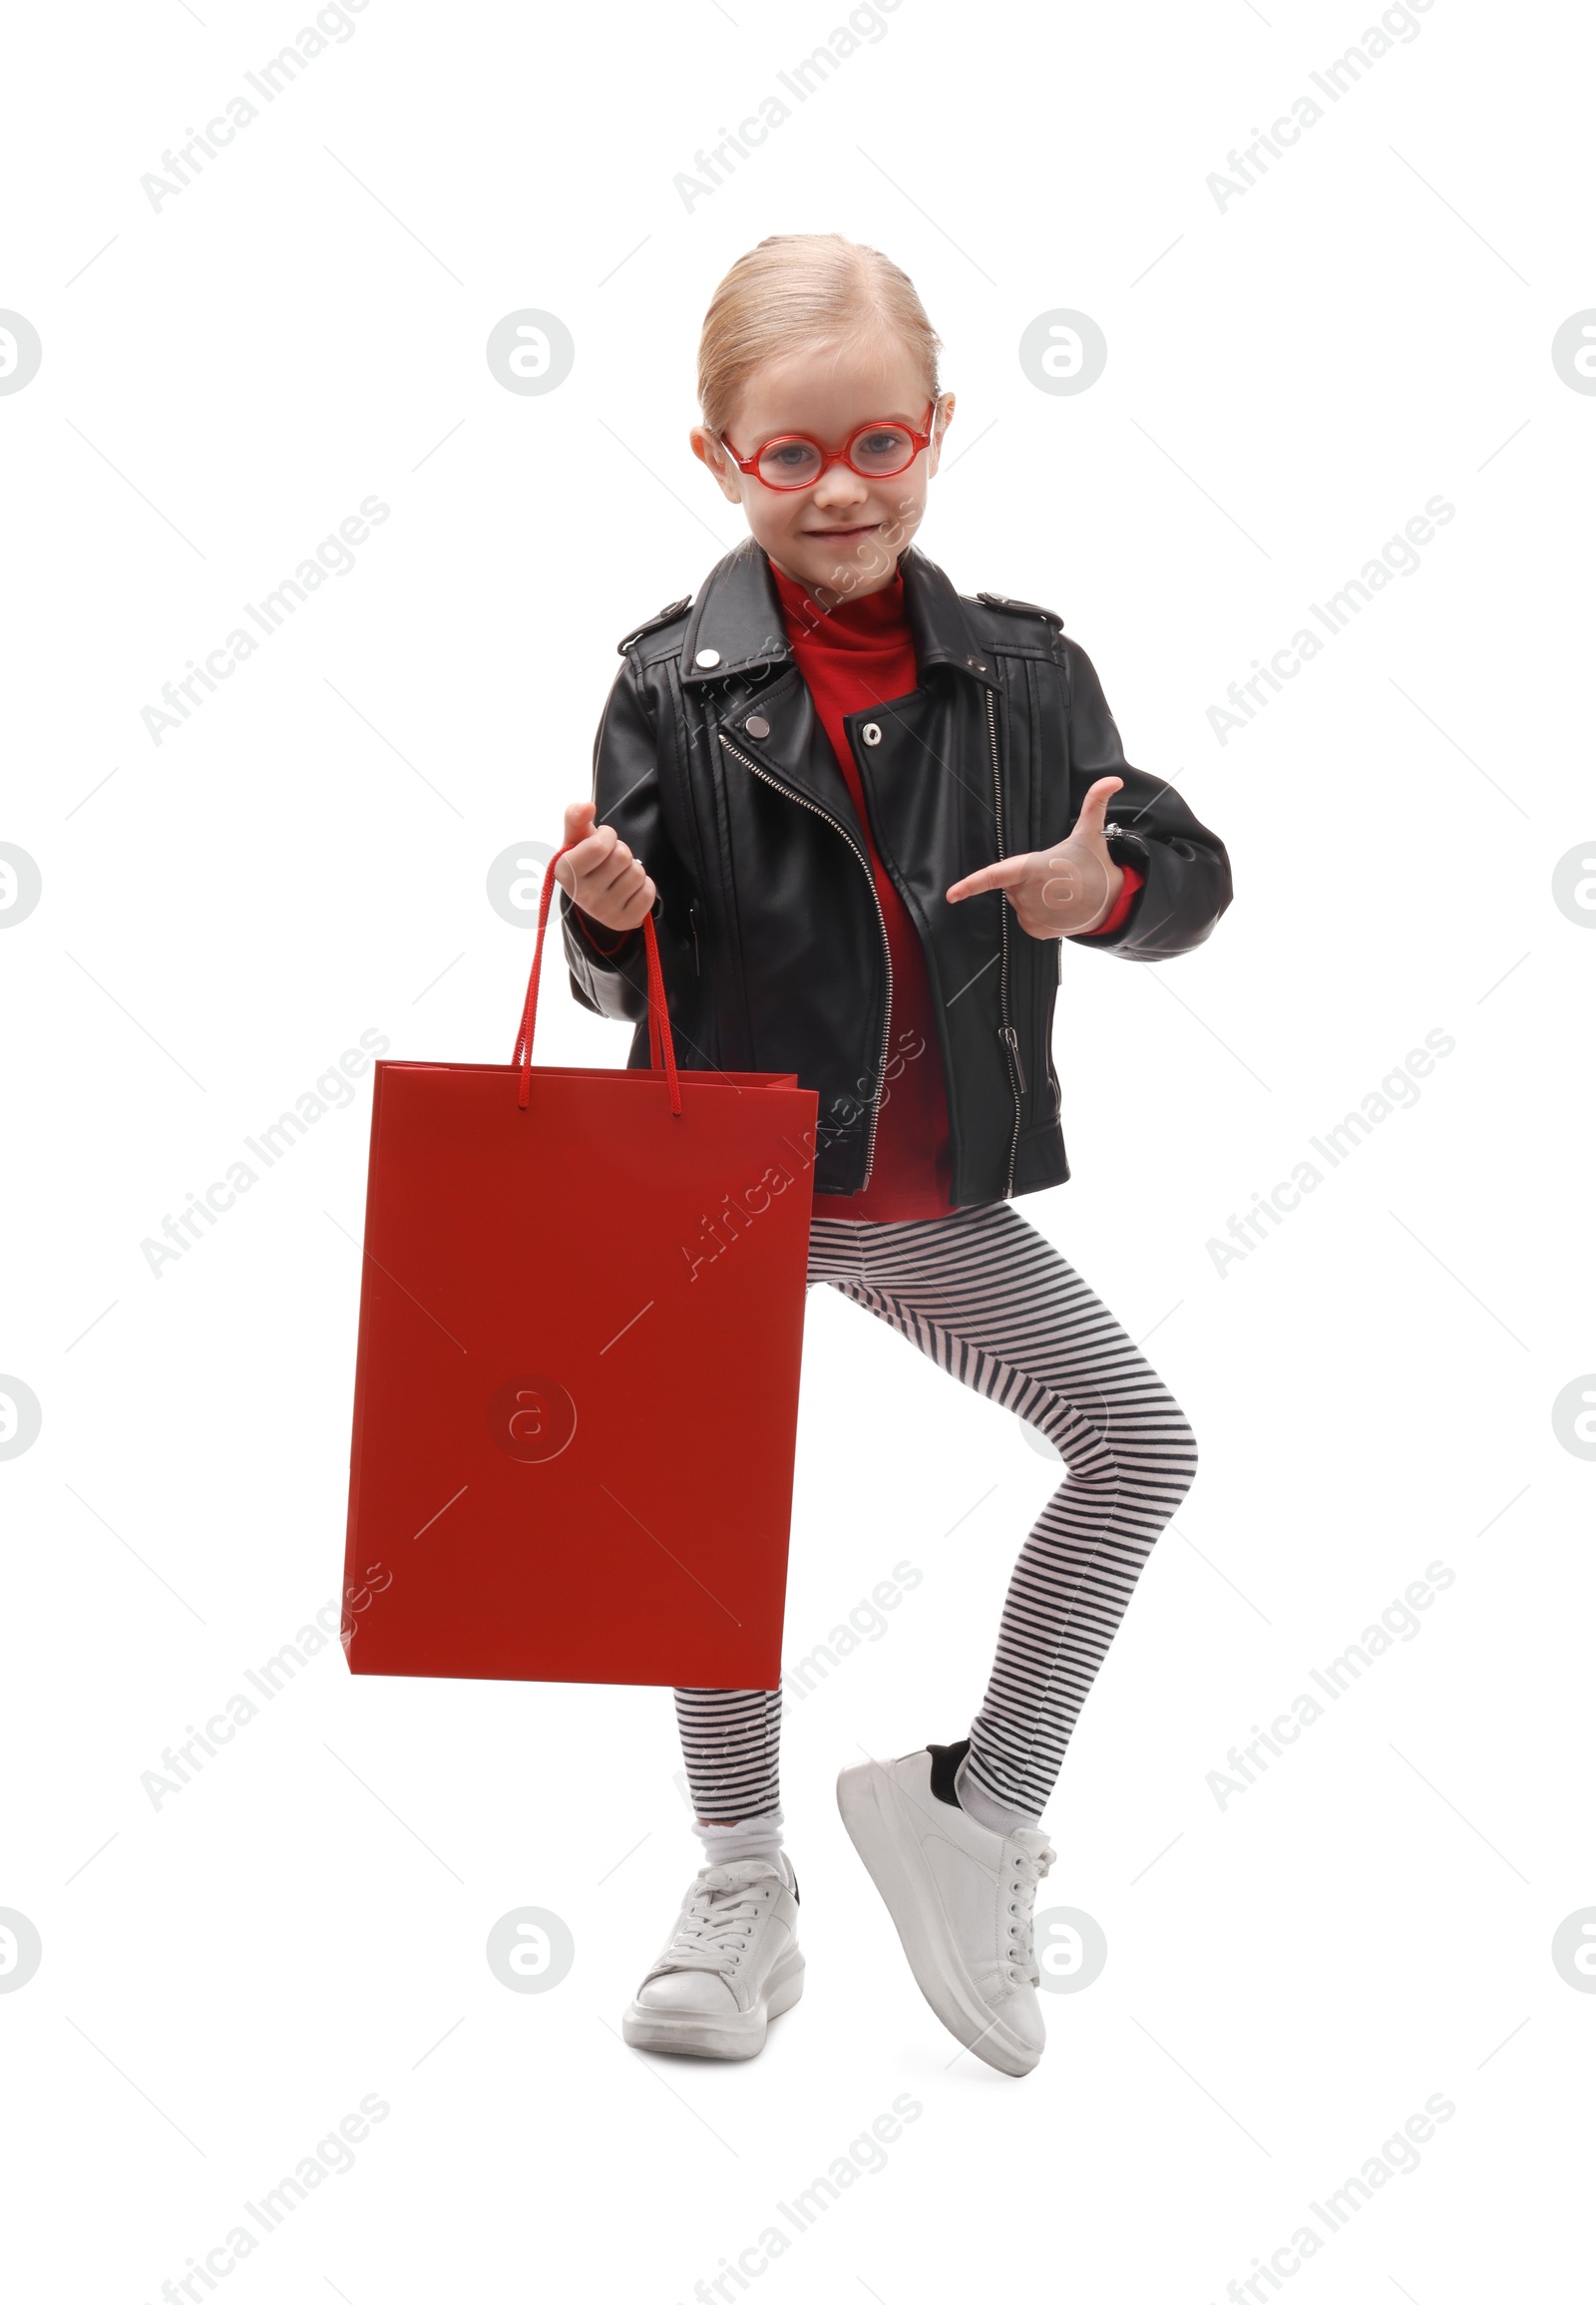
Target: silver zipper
[(1006, 1030), (886, 950)]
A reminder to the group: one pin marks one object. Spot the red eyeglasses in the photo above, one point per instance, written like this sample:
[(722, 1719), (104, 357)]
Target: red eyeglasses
[(875, 451)]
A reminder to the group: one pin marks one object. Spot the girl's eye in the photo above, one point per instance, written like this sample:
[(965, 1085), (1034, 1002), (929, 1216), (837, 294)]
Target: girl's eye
[(791, 454)]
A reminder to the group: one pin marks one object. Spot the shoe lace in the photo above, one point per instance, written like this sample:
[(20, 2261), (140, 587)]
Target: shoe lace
[(718, 1916), (1026, 1869)]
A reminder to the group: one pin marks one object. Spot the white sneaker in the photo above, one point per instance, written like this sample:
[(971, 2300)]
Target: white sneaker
[(732, 1963), (962, 1900)]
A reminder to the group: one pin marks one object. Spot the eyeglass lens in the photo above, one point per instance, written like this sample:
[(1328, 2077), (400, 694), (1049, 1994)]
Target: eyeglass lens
[(878, 454)]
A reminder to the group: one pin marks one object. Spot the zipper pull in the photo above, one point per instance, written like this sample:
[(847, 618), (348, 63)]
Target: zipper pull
[(1007, 1033)]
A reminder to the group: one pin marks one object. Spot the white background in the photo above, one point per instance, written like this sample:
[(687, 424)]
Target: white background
[(1290, 378)]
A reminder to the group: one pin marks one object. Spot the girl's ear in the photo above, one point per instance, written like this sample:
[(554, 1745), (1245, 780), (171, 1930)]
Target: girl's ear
[(939, 426), (709, 452)]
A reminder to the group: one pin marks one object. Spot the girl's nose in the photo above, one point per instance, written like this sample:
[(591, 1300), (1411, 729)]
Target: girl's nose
[(838, 488)]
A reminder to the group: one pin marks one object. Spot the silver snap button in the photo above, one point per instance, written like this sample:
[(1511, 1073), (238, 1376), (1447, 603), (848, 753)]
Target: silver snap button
[(707, 656), (975, 664), (757, 726), (871, 733)]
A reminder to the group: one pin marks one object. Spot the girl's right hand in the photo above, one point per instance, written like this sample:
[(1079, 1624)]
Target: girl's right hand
[(601, 874)]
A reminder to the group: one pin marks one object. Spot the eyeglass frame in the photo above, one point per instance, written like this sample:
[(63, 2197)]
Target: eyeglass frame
[(922, 440)]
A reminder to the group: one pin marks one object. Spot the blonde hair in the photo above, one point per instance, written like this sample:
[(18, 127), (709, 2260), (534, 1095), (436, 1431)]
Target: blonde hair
[(799, 288)]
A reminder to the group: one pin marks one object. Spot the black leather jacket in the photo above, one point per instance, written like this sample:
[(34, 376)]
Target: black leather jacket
[(716, 769)]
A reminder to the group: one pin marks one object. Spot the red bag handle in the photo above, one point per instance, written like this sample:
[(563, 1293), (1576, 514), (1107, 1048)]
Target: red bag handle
[(661, 1046)]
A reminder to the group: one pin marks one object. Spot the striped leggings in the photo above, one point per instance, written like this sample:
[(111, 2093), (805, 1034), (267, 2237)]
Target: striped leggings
[(986, 1297)]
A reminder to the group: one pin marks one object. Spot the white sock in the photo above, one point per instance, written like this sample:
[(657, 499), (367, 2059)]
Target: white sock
[(980, 1805), (751, 1837)]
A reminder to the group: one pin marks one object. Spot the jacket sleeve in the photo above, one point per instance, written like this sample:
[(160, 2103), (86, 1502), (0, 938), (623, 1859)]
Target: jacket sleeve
[(610, 973), (1185, 867)]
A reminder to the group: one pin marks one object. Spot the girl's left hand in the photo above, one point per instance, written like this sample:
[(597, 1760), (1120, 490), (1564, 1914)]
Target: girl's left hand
[(1063, 891)]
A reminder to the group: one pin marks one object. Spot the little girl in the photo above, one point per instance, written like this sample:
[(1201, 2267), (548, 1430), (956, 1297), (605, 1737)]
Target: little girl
[(864, 811)]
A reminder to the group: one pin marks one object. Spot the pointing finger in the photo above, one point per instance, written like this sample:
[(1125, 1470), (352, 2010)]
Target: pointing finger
[(1005, 874)]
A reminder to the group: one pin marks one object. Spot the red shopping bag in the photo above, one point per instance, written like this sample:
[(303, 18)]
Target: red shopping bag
[(575, 1401)]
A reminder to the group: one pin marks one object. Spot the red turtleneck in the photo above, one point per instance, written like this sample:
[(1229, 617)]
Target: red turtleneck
[(863, 653)]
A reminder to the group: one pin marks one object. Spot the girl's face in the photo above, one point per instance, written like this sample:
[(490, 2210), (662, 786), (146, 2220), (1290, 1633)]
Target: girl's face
[(841, 537)]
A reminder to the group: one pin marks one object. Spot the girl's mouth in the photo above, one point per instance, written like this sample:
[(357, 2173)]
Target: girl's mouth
[(845, 536)]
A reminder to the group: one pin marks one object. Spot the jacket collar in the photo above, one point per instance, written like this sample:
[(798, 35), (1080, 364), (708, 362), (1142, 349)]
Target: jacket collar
[(736, 625)]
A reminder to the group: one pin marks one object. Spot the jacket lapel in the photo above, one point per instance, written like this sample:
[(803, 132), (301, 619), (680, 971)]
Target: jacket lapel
[(737, 661), (777, 728)]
